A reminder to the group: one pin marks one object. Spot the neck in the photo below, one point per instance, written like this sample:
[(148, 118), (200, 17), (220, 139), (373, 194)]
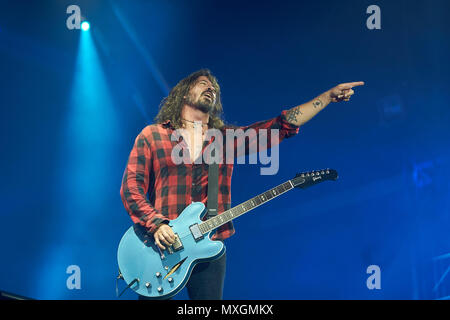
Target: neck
[(194, 115), (228, 215)]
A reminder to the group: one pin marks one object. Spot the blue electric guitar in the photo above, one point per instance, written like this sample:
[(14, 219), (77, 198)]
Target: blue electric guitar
[(161, 274)]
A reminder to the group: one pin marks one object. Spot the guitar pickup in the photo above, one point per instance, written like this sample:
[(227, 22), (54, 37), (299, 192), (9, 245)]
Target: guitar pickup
[(177, 245), (196, 233)]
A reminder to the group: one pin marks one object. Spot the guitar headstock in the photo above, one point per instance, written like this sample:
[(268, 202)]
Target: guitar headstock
[(307, 179)]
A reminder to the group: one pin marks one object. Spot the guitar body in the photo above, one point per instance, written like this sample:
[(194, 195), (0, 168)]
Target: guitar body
[(143, 264)]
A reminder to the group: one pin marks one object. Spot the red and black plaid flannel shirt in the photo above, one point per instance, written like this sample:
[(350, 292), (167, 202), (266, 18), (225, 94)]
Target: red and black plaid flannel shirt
[(171, 187)]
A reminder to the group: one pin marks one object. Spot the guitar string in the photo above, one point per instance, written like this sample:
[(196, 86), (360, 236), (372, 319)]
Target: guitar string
[(184, 235), (262, 194)]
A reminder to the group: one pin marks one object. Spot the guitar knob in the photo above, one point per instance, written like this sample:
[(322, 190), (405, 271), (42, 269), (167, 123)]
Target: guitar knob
[(158, 274), (166, 268), (170, 279), (160, 289), (148, 285), (322, 172)]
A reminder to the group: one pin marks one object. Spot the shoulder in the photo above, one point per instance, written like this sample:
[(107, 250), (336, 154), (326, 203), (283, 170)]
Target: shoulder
[(155, 132), (153, 128)]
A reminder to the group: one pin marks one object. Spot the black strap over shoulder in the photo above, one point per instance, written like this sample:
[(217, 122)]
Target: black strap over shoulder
[(213, 190)]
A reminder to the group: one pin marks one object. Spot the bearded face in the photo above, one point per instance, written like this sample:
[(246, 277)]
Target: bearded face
[(202, 95)]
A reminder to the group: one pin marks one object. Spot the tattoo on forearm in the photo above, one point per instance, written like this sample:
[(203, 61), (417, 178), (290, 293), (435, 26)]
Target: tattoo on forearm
[(317, 104), (291, 115)]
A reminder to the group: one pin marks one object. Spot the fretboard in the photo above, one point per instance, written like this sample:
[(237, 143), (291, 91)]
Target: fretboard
[(244, 207)]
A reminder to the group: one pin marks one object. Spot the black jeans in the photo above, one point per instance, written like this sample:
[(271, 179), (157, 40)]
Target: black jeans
[(206, 281)]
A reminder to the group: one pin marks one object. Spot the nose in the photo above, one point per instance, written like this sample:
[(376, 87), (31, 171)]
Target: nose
[(211, 90)]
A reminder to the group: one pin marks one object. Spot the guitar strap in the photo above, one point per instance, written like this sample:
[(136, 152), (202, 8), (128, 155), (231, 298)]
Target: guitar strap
[(213, 189)]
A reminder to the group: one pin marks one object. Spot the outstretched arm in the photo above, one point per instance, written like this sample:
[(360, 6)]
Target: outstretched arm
[(303, 113)]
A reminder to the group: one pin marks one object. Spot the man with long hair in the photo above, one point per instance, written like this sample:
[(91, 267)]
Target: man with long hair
[(194, 106)]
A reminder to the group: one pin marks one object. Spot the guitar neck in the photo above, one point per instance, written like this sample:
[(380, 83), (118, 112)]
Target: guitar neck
[(244, 207)]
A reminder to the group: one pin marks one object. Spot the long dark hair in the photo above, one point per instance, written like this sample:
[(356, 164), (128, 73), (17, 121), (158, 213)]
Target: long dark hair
[(170, 107)]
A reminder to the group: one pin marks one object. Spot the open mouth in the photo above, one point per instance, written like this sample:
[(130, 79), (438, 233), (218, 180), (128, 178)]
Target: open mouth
[(208, 95)]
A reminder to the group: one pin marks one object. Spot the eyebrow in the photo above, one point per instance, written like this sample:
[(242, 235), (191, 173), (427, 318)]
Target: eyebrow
[(212, 84)]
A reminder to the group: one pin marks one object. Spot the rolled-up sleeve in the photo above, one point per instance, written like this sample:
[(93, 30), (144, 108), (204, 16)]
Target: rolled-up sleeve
[(252, 133)]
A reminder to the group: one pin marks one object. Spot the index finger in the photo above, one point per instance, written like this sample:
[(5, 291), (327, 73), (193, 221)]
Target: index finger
[(350, 85), (168, 231)]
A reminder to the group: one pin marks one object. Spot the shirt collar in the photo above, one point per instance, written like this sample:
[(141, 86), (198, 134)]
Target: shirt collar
[(167, 123)]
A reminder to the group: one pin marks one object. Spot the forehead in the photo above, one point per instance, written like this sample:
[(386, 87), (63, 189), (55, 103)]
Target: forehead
[(203, 78)]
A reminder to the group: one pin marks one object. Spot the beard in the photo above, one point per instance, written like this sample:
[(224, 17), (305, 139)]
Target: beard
[(202, 103)]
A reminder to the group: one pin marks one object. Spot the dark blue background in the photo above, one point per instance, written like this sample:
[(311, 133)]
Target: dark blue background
[(63, 154)]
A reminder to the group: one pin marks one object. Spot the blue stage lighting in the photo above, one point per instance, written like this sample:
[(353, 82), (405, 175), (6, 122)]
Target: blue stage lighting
[(85, 26)]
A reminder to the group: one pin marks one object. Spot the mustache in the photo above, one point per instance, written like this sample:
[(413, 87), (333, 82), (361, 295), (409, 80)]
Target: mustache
[(210, 92)]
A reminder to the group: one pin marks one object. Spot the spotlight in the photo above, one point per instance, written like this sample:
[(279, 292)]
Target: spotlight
[(85, 26)]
